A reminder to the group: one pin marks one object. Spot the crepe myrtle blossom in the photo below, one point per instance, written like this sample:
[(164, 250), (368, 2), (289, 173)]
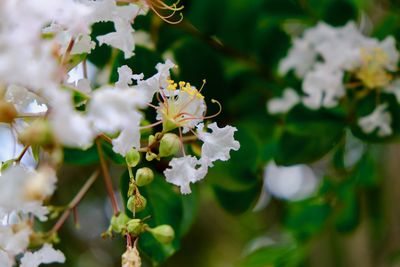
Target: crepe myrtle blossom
[(218, 143), (292, 183), (216, 146), (184, 171), (23, 190), (289, 99), (14, 241), (380, 119), (323, 87), (324, 55)]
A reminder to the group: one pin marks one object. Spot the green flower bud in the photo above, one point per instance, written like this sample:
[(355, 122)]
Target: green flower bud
[(169, 124), (150, 156), (135, 227), (144, 176), (136, 203), (38, 133), (169, 145), (7, 111), (163, 233), (132, 158), (118, 222)]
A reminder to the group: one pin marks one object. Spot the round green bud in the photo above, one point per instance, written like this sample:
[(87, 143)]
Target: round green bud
[(163, 233), (135, 227), (169, 145), (132, 157), (38, 133), (7, 112), (144, 176), (118, 222), (136, 203)]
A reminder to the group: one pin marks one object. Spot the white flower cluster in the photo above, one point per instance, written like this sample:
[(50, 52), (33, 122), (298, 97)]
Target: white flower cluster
[(22, 193), (38, 40), (325, 55)]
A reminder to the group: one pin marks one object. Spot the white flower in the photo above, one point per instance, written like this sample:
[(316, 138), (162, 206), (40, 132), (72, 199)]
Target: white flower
[(14, 238), (295, 182), (301, 58), (185, 170), (394, 88), (323, 87), (5, 260), (21, 97), (128, 138), (158, 81), (217, 144), (183, 107), (46, 254), (379, 119), (289, 99), (24, 191), (122, 38), (83, 44), (125, 77), (111, 109), (70, 127), (122, 16)]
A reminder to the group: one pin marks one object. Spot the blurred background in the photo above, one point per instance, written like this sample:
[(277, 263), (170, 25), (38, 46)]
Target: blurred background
[(338, 203)]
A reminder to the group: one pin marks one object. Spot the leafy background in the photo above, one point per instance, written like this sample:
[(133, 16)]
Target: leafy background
[(352, 220)]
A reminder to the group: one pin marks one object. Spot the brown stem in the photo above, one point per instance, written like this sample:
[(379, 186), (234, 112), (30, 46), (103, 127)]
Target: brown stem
[(224, 49), (74, 202), (67, 52), (107, 178), (84, 67), (21, 155)]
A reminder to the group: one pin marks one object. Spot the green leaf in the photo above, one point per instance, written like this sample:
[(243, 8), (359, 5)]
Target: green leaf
[(306, 218), (235, 182), (347, 216), (115, 157), (101, 55), (81, 157), (274, 255), (308, 135)]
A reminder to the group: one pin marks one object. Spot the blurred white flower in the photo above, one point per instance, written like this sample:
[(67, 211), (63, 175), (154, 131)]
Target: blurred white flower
[(283, 104), (323, 87), (394, 88), (301, 58), (293, 183), (23, 190), (46, 254), (379, 119)]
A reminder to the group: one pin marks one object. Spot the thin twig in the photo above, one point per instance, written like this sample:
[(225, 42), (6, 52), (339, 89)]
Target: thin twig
[(21, 155), (107, 178), (224, 49), (74, 202)]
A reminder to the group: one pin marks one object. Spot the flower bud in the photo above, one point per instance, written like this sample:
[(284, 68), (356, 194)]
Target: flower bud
[(150, 156), (132, 157), (169, 124), (38, 133), (7, 111), (118, 222), (144, 176), (169, 145), (163, 233), (136, 203), (135, 227), (131, 258)]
